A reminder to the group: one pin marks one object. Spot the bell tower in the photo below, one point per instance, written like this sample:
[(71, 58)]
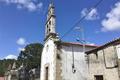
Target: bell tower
[(49, 53), (51, 21)]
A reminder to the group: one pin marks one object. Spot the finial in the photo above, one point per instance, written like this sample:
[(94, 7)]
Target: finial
[(52, 2)]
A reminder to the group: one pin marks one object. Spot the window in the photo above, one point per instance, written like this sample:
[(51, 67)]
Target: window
[(47, 26), (46, 73), (50, 23), (49, 30), (98, 77)]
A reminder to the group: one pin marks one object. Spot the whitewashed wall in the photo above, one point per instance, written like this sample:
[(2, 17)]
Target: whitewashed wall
[(48, 58), (80, 63)]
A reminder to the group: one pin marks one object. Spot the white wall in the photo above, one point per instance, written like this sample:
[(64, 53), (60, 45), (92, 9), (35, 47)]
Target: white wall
[(48, 59), (80, 63)]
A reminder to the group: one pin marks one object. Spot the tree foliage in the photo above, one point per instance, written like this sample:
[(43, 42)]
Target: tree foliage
[(31, 56), (4, 64)]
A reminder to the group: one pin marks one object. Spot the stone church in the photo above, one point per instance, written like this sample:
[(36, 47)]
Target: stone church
[(61, 60), (68, 61)]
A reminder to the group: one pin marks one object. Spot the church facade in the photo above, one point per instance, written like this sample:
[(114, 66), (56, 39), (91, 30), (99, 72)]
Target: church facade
[(62, 60), (68, 61)]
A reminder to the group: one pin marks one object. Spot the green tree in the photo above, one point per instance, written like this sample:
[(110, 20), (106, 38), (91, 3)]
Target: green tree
[(4, 65), (31, 56)]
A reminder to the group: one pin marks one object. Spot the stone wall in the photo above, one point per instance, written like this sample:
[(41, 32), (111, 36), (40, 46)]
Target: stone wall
[(104, 63)]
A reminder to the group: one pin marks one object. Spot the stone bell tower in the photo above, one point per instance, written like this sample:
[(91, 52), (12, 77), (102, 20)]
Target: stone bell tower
[(51, 21), (48, 58)]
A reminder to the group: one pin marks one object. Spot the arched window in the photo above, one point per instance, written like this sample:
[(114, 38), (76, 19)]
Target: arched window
[(49, 30), (49, 22)]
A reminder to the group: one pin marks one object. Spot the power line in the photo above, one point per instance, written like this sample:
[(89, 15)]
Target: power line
[(95, 6)]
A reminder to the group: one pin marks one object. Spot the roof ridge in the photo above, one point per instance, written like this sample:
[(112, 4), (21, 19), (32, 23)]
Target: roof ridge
[(107, 44), (76, 43)]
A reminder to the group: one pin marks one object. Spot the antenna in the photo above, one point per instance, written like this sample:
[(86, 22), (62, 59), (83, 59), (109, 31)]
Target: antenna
[(83, 37)]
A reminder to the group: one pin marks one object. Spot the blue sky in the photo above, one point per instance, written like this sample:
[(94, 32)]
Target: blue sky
[(22, 22)]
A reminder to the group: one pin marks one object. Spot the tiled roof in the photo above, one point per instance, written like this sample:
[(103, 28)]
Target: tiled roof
[(78, 44), (113, 42)]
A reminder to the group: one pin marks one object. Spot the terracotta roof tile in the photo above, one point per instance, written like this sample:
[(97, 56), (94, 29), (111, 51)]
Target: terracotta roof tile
[(75, 43), (113, 42)]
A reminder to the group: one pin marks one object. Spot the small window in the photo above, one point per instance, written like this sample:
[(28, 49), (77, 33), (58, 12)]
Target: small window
[(47, 26), (49, 30), (98, 77), (49, 22)]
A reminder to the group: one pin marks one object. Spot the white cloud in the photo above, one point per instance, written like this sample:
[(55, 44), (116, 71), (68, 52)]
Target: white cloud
[(21, 41), (93, 15), (31, 5), (21, 49), (89, 43), (11, 57), (112, 22)]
